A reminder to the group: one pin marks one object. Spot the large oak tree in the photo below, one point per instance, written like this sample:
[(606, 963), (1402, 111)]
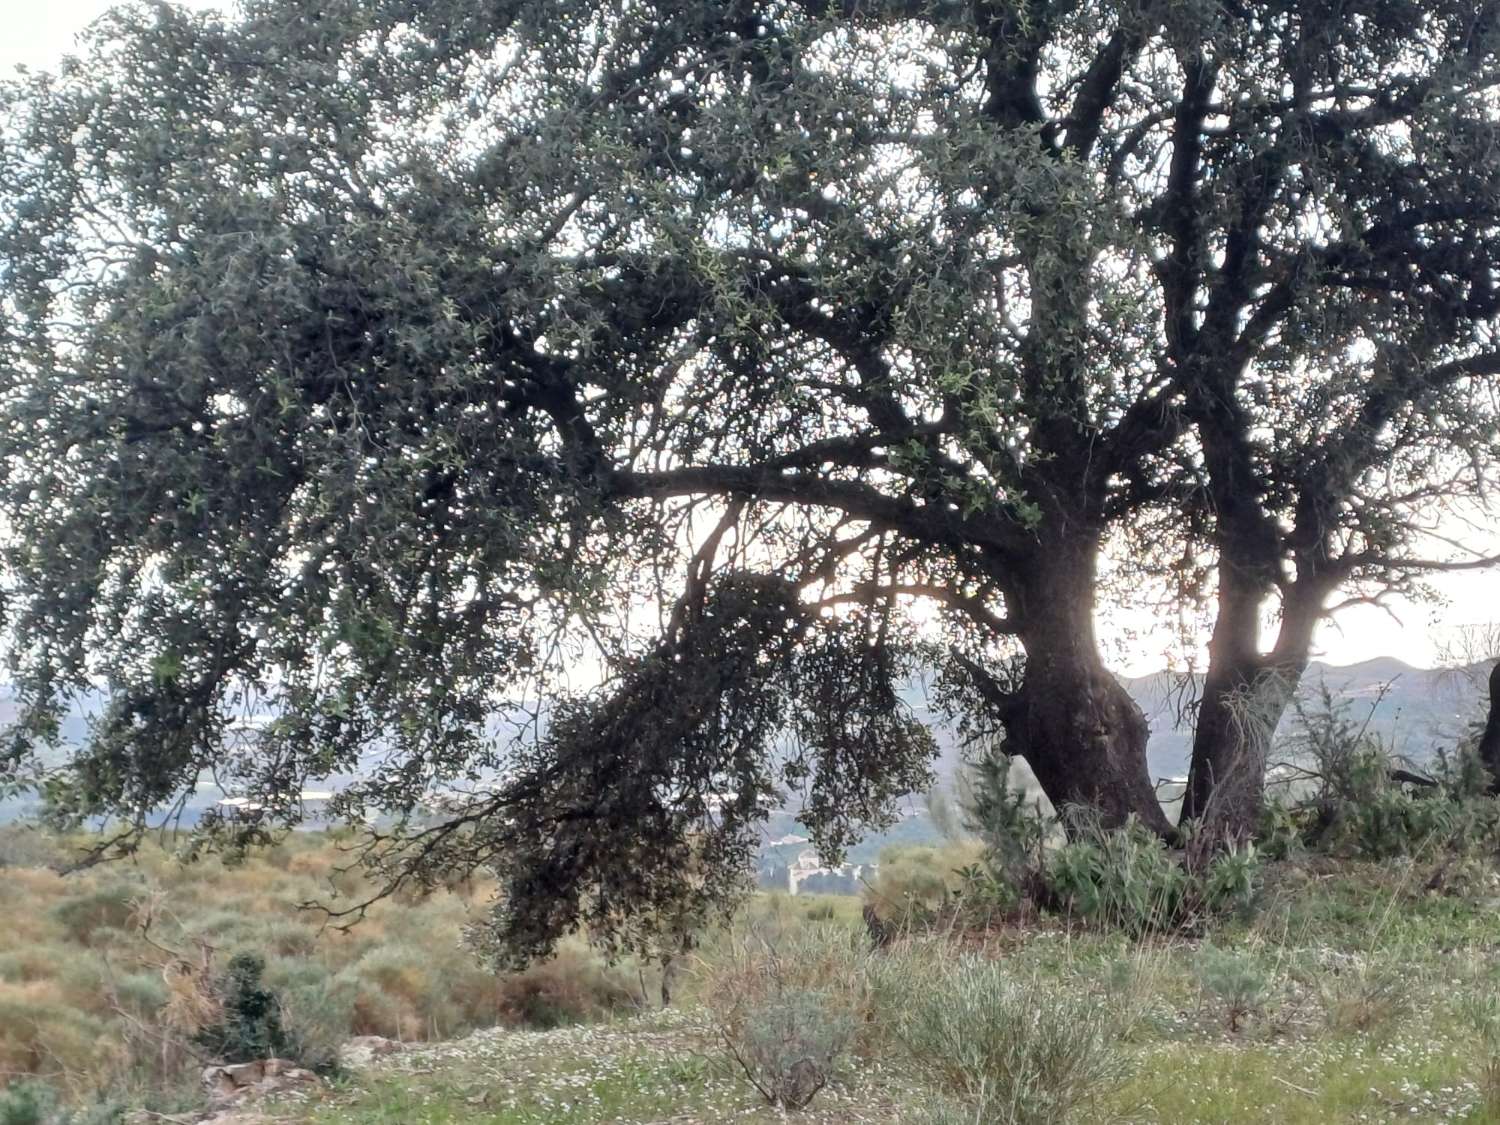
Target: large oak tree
[(370, 363)]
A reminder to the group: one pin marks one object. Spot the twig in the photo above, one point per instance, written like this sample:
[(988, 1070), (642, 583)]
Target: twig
[(1293, 1086)]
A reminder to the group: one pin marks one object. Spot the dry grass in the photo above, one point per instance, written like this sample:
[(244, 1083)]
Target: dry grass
[(91, 999)]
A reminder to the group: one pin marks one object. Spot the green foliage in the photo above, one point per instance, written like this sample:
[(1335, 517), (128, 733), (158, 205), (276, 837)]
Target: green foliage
[(27, 1103), (1355, 806), (788, 1007), (1127, 878), (250, 1024), (1235, 980), (1007, 1050), (32, 1102), (1006, 818)]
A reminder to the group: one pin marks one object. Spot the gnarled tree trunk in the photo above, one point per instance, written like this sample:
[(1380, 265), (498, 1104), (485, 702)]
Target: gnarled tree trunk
[(1077, 727)]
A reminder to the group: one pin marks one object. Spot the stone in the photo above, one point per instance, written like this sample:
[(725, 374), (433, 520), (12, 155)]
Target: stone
[(363, 1050)]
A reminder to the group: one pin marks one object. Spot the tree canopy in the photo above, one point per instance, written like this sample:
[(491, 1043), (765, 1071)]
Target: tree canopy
[(373, 363)]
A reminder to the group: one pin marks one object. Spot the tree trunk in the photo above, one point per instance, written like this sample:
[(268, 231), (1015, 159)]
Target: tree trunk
[(1242, 704), (1245, 694), (1077, 727), (1489, 741)]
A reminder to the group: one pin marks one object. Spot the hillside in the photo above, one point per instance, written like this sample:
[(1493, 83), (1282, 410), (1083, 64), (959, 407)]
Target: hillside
[(1413, 709)]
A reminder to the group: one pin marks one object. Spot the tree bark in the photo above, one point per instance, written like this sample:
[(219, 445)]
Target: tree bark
[(1489, 741), (1245, 695), (1242, 704), (1077, 727)]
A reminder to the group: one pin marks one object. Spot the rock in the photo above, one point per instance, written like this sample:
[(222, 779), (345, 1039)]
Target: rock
[(241, 1082), (362, 1050)]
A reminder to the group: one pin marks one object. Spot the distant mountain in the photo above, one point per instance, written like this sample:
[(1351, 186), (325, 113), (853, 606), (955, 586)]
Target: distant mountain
[(1413, 709)]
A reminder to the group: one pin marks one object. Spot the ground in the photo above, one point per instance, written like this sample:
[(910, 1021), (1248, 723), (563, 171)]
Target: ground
[(1357, 985)]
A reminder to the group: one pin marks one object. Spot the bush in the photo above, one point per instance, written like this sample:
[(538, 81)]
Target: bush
[(28, 1103), (575, 985), (86, 917), (1126, 878), (1235, 980), (26, 845), (1355, 805), (250, 1027), (1006, 1050), (918, 887), (787, 1008)]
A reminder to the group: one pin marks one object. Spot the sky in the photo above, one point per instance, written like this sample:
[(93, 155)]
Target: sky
[(39, 32)]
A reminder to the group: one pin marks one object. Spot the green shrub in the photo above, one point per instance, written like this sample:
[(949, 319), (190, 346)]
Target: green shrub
[(1235, 980), (89, 916), (1007, 819), (787, 1008), (32, 1102), (1126, 878), (1354, 806), (250, 1027), (1005, 1050), (28, 1103)]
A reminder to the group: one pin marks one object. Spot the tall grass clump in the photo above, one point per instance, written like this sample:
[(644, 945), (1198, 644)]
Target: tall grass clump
[(1481, 1012), (1005, 1050)]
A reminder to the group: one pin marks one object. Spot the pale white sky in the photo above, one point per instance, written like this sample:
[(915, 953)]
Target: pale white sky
[(39, 32)]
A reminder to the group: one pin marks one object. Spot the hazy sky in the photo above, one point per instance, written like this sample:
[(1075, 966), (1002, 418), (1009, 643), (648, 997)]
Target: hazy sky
[(38, 32)]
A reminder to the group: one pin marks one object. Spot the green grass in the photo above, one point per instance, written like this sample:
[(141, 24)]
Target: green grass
[(652, 1068)]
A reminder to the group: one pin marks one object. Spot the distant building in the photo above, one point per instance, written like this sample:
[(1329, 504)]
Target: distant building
[(807, 875)]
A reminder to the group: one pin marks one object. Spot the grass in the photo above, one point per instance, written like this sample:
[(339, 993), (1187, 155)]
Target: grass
[(656, 1067), (1373, 999), (100, 1009)]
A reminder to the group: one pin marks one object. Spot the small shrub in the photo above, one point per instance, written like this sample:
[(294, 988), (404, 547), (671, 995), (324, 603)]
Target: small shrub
[(1007, 818), (88, 916), (1005, 1050), (787, 1009), (1365, 999), (575, 985), (28, 1103), (1235, 980), (250, 1027), (31, 1102)]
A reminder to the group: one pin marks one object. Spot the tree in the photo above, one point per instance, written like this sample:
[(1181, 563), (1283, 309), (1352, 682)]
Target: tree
[(368, 363), (1344, 386)]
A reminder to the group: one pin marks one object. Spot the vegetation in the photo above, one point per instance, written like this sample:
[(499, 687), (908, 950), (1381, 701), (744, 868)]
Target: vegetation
[(362, 370), (119, 985)]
